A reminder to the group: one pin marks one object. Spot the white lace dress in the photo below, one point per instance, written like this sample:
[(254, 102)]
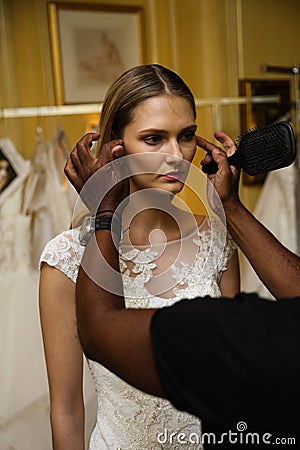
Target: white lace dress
[(23, 379), (126, 417)]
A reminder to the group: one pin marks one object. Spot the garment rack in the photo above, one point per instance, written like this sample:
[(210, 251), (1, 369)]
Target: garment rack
[(95, 108)]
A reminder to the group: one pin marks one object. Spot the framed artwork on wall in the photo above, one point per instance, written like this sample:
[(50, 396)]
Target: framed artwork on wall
[(91, 46)]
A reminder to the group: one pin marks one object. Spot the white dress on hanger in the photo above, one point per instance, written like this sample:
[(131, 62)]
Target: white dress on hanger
[(275, 209), (24, 397), (23, 379), (126, 417), (47, 196)]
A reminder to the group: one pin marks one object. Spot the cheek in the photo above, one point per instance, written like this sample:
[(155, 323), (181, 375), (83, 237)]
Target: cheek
[(142, 180), (189, 152), (133, 147), (189, 149)]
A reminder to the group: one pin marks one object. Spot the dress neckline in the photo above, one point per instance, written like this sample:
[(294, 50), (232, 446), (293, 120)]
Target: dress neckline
[(125, 249)]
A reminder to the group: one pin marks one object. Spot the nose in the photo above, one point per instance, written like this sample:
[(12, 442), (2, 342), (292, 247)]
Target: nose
[(173, 149)]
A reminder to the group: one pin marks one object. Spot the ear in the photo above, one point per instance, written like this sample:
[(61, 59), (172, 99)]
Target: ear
[(118, 151)]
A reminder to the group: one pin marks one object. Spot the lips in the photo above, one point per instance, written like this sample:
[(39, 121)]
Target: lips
[(173, 175)]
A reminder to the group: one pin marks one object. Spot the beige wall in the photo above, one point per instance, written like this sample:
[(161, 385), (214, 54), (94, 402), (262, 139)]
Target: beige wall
[(210, 43), (270, 34)]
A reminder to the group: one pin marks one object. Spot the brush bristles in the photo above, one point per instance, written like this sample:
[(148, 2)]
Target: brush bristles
[(264, 149)]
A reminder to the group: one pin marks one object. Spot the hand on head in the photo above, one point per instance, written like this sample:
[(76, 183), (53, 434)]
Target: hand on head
[(226, 180), (82, 165)]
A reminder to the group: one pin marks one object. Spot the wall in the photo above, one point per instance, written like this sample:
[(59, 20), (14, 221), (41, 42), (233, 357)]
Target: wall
[(270, 34)]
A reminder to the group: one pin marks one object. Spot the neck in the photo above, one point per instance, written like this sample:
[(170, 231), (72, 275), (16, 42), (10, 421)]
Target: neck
[(150, 206), (148, 210)]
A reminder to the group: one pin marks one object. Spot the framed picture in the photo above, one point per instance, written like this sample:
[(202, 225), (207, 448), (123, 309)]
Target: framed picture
[(91, 46)]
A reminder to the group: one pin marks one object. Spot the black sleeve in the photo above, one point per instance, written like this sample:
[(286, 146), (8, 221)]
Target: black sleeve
[(227, 360)]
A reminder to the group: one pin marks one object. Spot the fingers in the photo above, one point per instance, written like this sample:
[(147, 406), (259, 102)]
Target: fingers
[(220, 157), (81, 153), (80, 160), (72, 175), (112, 150), (235, 172), (206, 145), (213, 151), (226, 141), (82, 150), (82, 164), (223, 138), (206, 160), (69, 169)]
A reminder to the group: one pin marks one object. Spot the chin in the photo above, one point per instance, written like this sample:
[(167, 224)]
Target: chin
[(173, 188)]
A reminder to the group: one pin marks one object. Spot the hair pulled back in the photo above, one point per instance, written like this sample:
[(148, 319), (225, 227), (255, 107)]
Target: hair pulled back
[(130, 90)]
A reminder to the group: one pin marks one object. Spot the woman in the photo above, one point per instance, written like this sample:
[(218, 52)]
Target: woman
[(164, 257)]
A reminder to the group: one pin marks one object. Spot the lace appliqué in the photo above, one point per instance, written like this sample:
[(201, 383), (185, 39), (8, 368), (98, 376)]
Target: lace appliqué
[(64, 252), (215, 248), (143, 263), (199, 278), (129, 419)]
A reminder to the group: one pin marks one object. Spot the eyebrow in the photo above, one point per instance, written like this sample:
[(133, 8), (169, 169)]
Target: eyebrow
[(192, 127)]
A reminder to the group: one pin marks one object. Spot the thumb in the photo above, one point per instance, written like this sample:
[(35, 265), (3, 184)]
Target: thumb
[(221, 158), (235, 173)]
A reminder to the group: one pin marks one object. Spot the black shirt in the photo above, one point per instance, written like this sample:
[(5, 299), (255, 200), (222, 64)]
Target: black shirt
[(235, 364)]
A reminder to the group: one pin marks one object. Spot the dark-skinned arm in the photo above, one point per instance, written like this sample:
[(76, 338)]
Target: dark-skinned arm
[(276, 266), (116, 337)]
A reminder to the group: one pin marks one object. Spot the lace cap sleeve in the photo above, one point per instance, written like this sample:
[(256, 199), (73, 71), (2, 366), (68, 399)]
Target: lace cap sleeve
[(228, 246), (64, 252)]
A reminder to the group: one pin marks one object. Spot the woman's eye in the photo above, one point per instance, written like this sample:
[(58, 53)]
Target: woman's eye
[(152, 140), (187, 137)]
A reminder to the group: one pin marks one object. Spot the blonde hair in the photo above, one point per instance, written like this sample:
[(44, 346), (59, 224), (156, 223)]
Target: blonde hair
[(130, 90)]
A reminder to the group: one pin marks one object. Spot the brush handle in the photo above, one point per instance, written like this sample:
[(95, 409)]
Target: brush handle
[(212, 167)]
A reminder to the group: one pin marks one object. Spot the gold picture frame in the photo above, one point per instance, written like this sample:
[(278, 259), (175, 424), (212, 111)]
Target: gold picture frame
[(91, 46)]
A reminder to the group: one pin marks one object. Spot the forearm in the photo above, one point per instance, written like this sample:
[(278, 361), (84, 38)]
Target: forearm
[(116, 337), (64, 359), (67, 430), (276, 266)]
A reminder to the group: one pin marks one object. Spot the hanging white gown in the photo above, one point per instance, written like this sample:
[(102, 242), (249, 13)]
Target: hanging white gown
[(47, 196), (23, 379), (126, 417), (275, 209), (24, 398)]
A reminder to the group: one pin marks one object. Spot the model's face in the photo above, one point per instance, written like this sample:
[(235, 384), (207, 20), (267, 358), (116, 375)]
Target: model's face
[(165, 126)]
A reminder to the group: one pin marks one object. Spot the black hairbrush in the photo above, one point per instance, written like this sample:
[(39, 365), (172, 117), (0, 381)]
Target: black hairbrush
[(262, 150)]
